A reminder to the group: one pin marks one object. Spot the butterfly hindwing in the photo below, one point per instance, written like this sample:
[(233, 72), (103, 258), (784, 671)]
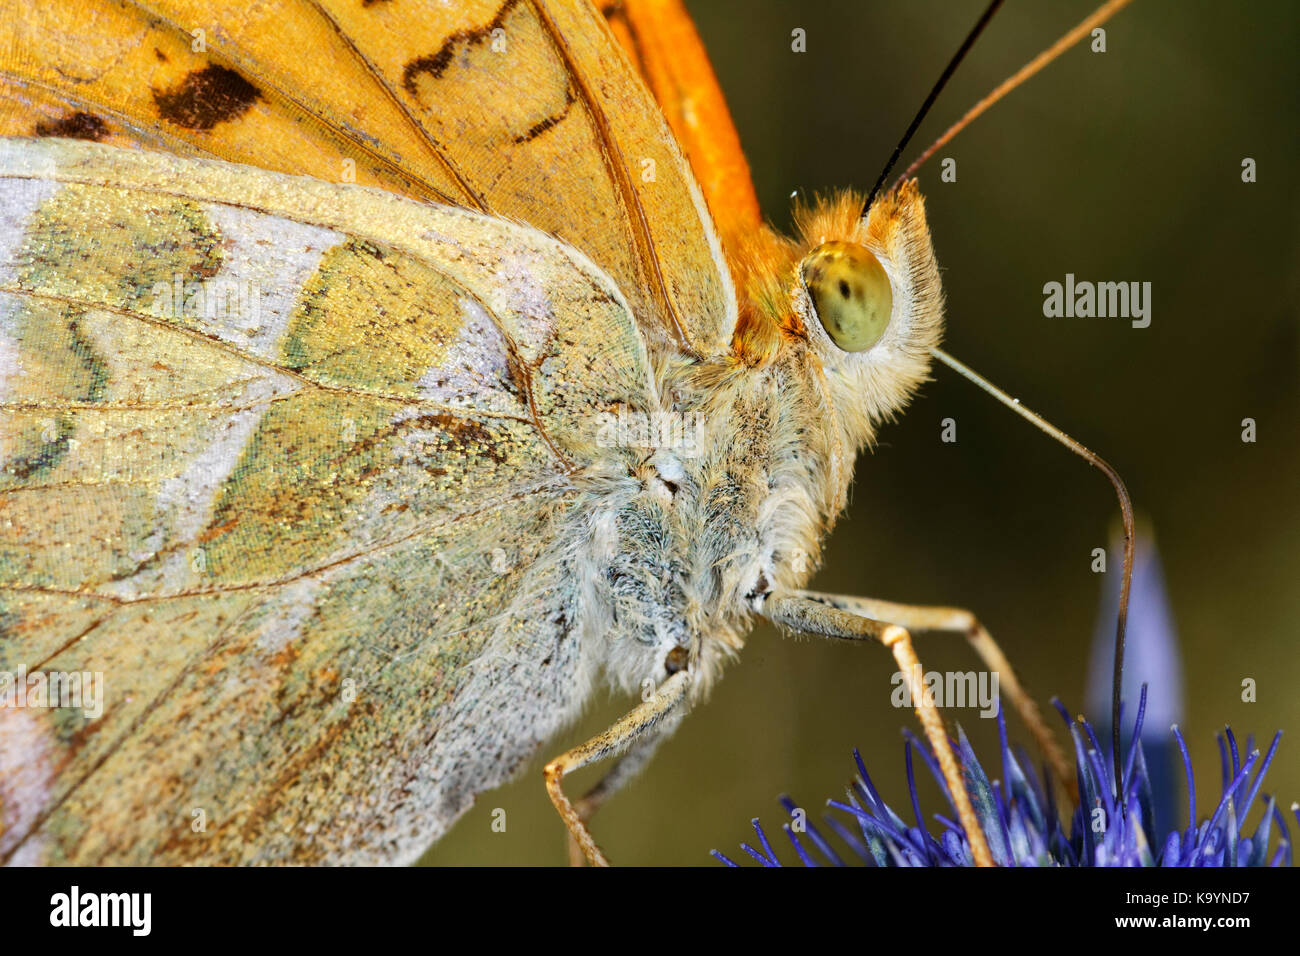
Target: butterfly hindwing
[(289, 464)]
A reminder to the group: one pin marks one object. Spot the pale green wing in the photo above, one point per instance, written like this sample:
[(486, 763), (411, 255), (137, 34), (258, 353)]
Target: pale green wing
[(299, 469)]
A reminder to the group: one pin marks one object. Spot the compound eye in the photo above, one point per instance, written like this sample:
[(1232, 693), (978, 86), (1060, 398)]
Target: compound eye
[(850, 293)]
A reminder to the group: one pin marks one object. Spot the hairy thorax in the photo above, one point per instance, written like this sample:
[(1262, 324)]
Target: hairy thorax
[(730, 501)]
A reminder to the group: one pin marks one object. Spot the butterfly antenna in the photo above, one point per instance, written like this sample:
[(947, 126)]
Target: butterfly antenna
[(1096, 19), (1126, 510), (929, 100)]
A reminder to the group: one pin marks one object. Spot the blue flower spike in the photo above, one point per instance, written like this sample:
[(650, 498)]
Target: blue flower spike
[(1020, 818)]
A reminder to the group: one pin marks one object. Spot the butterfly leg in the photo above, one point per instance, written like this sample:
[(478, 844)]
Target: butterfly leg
[(952, 620), (625, 768), (645, 718), (801, 613)]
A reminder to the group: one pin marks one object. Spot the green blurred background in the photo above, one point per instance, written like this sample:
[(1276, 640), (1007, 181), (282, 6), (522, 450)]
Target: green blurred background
[(1117, 166)]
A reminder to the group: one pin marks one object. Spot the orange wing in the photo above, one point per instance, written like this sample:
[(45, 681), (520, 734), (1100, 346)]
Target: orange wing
[(660, 40), (524, 108)]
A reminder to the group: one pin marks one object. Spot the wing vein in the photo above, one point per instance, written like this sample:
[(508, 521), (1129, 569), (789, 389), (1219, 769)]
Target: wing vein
[(306, 382), (185, 671), (561, 486), (435, 148), (617, 166), (321, 120)]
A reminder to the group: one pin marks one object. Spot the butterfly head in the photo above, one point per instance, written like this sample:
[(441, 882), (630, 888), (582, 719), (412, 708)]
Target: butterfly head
[(867, 301)]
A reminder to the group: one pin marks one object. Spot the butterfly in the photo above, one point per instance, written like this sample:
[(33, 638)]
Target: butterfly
[(380, 378)]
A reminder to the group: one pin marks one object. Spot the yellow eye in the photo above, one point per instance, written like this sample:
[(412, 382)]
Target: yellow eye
[(850, 293)]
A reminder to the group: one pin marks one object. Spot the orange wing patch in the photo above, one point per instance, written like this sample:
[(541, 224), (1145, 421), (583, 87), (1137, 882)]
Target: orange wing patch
[(660, 39)]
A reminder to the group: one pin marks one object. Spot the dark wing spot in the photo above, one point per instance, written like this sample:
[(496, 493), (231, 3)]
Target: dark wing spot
[(74, 126), (205, 98), (51, 453), (471, 436), (436, 64), (462, 433), (844, 289), (537, 129)]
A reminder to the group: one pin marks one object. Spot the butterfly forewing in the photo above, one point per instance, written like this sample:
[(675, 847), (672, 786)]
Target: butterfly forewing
[(524, 108)]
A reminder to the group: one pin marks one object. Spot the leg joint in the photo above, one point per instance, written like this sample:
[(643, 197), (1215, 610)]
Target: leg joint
[(892, 634)]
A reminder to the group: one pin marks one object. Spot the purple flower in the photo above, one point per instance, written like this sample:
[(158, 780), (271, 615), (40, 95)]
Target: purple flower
[(1021, 821)]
